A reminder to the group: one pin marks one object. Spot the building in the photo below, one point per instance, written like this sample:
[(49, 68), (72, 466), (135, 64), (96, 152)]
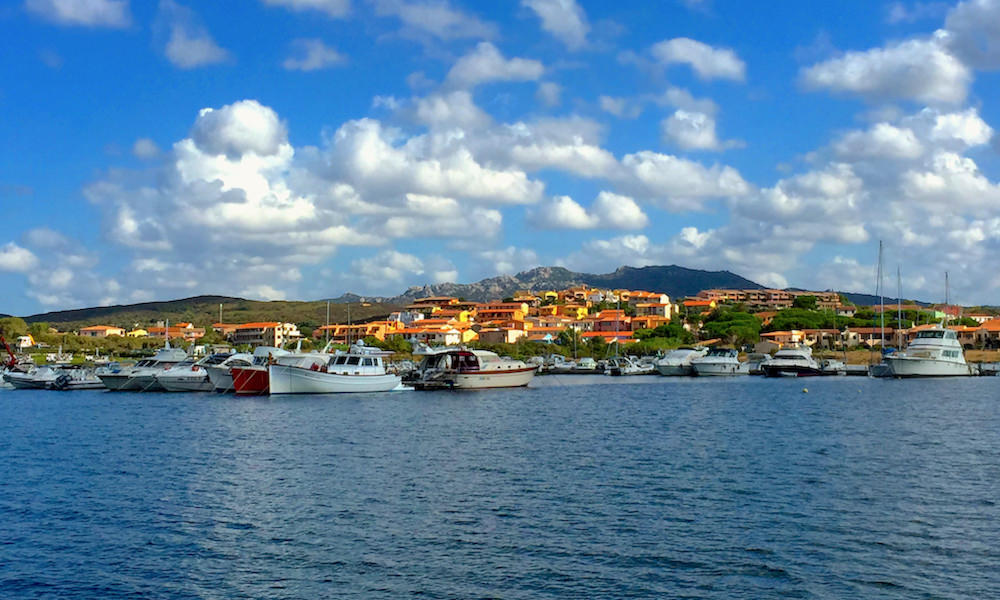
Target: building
[(100, 331), (265, 334), (346, 334)]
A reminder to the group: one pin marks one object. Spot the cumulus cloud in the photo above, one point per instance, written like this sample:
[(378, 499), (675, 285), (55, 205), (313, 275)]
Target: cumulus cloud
[(883, 140), (331, 8), (86, 13), (678, 184), (16, 259), (706, 61), (434, 18), (389, 265), (693, 131), (239, 128), (312, 55), (188, 43), (973, 33), (450, 110), (564, 19), (620, 107), (486, 64), (919, 69)]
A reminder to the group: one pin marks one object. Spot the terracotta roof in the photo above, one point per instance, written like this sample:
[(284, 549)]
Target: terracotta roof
[(257, 325), (99, 328)]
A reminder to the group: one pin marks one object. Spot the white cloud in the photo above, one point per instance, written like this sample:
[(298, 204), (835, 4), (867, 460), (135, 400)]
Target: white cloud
[(312, 55), (921, 70), (388, 265), (16, 259), (507, 261), (619, 107), (239, 128), (973, 34), (693, 131), (902, 13), (145, 148), (682, 99), (188, 44), (549, 93), (678, 184), (609, 211), (332, 8), (614, 211), (564, 19), (883, 140), (706, 61), (87, 13), (486, 64), (454, 109), (562, 212), (434, 18)]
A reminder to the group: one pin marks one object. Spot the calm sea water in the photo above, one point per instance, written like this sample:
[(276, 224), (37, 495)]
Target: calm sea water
[(743, 488)]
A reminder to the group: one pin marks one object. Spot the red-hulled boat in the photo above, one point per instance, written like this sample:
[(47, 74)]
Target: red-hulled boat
[(253, 380)]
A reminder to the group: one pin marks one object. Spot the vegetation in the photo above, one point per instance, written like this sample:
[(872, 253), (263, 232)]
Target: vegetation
[(735, 327)]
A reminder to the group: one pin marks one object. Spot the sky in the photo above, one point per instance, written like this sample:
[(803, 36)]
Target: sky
[(301, 149)]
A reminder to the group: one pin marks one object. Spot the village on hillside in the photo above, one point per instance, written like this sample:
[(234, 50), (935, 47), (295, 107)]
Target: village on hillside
[(582, 320)]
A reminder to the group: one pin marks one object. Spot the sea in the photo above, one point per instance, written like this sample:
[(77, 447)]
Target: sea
[(575, 487)]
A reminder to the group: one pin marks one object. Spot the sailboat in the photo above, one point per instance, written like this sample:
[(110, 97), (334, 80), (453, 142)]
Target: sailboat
[(881, 369)]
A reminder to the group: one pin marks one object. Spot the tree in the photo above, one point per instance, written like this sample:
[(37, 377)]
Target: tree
[(13, 327), (806, 302)]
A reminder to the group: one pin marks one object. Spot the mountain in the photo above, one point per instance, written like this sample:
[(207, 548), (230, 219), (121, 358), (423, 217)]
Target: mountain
[(672, 280), (204, 310)]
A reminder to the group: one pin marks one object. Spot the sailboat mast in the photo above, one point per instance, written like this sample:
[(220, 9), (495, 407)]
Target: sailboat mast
[(881, 299), (899, 308)]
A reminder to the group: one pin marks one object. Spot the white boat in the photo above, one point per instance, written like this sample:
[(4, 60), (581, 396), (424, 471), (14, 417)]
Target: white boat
[(935, 352), (792, 361), (37, 378), (677, 363), (142, 376), (720, 361), (75, 379), (190, 375), (464, 369), (221, 376), (360, 369), (583, 366), (620, 366)]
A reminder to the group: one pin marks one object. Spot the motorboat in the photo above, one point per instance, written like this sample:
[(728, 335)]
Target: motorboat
[(220, 375), (582, 366), (464, 369), (677, 362), (935, 352), (75, 379), (792, 361), (253, 379), (756, 362), (142, 376), (190, 375), (360, 369), (36, 378), (619, 366), (720, 361)]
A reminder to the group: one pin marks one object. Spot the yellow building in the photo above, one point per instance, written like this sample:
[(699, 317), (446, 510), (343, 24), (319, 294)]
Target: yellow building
[(137, 333)]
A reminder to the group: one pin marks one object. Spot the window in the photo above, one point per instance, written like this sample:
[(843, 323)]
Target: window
[(367, 362), (353, 360), (340, 360)]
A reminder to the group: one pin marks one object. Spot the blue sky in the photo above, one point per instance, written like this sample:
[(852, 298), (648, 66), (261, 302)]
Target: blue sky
[(300, 149)]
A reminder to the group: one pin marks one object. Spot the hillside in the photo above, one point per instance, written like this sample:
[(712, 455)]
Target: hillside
[(673, 280), (204, 310)]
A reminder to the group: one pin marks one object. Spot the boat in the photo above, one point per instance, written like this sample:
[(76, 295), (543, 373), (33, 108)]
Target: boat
[(360, 369), (253, 379), (75, 379), (792, 361), (677, 363), (619, 366), (190, 375), (583, 366), (935, 352), (720, 361), (142, 376), (459, 368), (220, 375), (37, 378)]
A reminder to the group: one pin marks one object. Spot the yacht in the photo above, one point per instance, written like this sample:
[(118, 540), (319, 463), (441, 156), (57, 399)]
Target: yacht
[(360, 369), (720, 361), (76, 378), (678, 362), (793, 361), (36, 378), (221, 376), (625, 365), (935, 352), (190, 375), (461, 368), (141, 376)]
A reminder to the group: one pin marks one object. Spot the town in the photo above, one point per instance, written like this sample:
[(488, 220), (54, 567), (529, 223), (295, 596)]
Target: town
[(578, 321)]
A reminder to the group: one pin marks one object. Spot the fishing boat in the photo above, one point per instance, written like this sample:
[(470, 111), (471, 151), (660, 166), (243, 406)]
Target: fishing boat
[(720, 362), (677, 363), (462, 369), (253, 379), (360, 369)]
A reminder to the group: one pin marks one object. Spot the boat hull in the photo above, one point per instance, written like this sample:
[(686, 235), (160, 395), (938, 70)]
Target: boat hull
[(114, 381), (250, 381), (477, 380), (24, 381), (675, 370), (773, 370), (284, 379), (221, 378), (720, 369), (908, 366), (145, 382), (194, 382)]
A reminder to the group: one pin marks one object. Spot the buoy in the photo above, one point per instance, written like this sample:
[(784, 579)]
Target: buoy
[(805, 390)]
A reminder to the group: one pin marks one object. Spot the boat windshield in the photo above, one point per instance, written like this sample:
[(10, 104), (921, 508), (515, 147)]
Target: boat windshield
[(930, 334), (721, 352)]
